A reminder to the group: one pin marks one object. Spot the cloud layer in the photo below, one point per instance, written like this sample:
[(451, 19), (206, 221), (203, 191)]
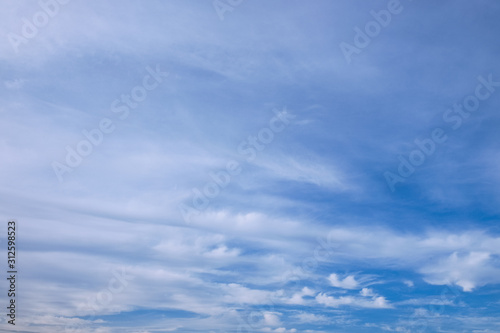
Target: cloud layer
[(173, 171)]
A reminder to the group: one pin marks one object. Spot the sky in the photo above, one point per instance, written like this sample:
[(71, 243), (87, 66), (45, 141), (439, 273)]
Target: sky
[(237, 166)]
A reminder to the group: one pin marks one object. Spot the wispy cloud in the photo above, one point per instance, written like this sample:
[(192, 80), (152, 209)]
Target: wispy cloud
[(307, 237)]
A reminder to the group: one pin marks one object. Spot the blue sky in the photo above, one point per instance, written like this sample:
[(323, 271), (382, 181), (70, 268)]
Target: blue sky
[(252, 166)]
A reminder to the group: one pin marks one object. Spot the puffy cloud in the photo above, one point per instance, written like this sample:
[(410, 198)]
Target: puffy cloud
[(467, 271), (367, 292), (298, 298), (349, 282)]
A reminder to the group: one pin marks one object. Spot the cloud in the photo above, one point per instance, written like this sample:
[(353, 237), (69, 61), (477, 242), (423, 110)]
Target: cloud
[(222, 252), (305, 317), (377, 302), (298, 298), (318, 172), (465, 259), (367, 292), (279, 330), (237, 294), (467, 271), (272, 318), (250, 249), (409, 283), (349, 282)]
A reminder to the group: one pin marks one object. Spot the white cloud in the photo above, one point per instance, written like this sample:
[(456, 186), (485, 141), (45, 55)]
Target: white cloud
[(298, 298), (428, 300), (311, 170), (279, 330), (272, 318), (467, 271), (237, 294), (378, 302), (306, 317), (349, 282), (367, 292), (464, 259), (409, 283), (119, 207), (222, 252)]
